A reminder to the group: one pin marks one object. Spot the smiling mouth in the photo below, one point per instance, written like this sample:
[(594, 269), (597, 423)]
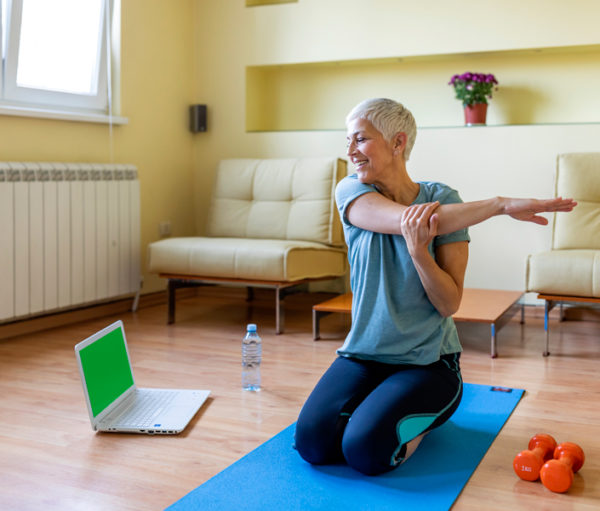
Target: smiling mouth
[(360, 164)]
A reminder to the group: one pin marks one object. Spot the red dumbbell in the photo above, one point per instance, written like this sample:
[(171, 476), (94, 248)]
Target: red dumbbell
[(557, 474), (527, 464)]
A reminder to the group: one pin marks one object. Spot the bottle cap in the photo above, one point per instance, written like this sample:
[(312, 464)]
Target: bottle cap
[(251, 327)]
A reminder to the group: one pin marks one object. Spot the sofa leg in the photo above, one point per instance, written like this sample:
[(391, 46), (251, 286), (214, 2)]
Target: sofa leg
[(171, 288), (280, 293), (562, 312), (279, 313)]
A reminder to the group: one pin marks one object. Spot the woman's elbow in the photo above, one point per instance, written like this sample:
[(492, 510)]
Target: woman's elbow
[(449, 307), (447, 312)]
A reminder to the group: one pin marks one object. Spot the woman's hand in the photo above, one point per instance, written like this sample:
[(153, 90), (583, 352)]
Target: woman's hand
[(443, 276), (419, 226), (527, 209)]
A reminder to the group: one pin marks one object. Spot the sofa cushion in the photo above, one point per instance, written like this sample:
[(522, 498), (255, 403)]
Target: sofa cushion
[(565, 272), (246, 258), (578, 176), (286, 199)]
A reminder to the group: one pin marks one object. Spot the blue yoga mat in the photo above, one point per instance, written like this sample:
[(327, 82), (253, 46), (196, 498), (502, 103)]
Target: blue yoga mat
[(274, 477)]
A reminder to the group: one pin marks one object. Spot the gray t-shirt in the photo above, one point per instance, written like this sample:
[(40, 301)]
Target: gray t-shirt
[(393, 320)]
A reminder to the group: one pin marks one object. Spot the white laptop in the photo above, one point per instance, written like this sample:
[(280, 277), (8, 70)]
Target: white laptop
[(113, 400)]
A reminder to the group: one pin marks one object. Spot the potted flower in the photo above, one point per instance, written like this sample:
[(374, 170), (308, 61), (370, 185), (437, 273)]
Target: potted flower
[(474, 89)]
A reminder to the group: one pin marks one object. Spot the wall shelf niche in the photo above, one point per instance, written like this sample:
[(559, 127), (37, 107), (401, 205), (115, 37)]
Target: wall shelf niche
[(537, 86), (257, 3)]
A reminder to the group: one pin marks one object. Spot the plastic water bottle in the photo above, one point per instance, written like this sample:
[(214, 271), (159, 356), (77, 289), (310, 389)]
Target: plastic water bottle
[(251, 357)]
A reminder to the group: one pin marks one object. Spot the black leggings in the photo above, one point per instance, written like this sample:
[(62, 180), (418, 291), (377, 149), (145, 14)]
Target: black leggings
[(365, 412)]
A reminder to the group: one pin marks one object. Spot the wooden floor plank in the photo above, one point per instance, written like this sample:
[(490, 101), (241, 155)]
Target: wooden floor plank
[(52, 460)]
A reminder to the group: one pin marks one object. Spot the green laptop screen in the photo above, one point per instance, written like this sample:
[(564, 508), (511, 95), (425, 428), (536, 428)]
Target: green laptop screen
[(106, 370)]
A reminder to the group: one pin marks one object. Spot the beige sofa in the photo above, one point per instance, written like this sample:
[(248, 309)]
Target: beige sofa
[(272, 223), (570, 271)]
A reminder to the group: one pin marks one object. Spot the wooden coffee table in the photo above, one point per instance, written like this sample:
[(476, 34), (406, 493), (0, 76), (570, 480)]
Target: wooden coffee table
[(491, 306)]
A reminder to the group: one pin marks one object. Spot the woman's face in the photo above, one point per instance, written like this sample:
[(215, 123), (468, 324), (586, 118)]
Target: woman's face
[(371, 155)]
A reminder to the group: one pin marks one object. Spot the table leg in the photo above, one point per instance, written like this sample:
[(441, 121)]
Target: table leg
[(547, 308), (500, 322), (316, 333), (522, 314), (493, 332), (317, 315)]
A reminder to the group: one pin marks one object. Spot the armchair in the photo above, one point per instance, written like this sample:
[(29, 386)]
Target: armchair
[(570, 271)]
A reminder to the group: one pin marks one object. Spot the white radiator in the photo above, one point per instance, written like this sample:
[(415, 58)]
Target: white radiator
[(69, 236)]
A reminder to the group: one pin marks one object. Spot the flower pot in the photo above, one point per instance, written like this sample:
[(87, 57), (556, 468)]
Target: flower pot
[(475, 114)]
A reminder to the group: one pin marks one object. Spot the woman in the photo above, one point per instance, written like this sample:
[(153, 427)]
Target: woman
[(397, 375)]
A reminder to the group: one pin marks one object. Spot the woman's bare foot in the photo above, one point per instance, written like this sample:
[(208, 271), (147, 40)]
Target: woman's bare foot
[(411, 446)]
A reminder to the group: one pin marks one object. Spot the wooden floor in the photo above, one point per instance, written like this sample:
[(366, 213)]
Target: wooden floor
[(52, 460)]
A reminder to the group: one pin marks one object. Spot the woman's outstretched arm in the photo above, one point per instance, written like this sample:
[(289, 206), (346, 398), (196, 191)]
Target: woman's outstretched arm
[(374, 212)]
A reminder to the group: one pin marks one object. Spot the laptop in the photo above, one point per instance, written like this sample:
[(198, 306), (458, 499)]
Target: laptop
[(115, 403)]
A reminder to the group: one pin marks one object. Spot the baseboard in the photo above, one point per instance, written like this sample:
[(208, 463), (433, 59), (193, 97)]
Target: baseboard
[(71, 316)]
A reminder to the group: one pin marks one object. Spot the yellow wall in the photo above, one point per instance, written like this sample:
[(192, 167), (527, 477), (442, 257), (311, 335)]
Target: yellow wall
[(157, 88), (177, 53)]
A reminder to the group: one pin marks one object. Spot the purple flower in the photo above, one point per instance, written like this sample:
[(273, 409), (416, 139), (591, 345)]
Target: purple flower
[(472, 88)]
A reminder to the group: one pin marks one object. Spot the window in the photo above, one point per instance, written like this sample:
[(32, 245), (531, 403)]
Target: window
[(54, 55)]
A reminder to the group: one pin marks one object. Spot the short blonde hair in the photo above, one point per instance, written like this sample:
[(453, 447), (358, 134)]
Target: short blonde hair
[(388, 117)]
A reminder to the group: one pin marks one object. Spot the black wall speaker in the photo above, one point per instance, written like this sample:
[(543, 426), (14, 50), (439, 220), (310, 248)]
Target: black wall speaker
[(197, 118)]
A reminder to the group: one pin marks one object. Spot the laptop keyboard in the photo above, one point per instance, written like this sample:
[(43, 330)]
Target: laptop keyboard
[(148, 405)]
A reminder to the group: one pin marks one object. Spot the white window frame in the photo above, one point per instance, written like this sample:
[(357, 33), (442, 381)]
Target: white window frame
[(31, 102)]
